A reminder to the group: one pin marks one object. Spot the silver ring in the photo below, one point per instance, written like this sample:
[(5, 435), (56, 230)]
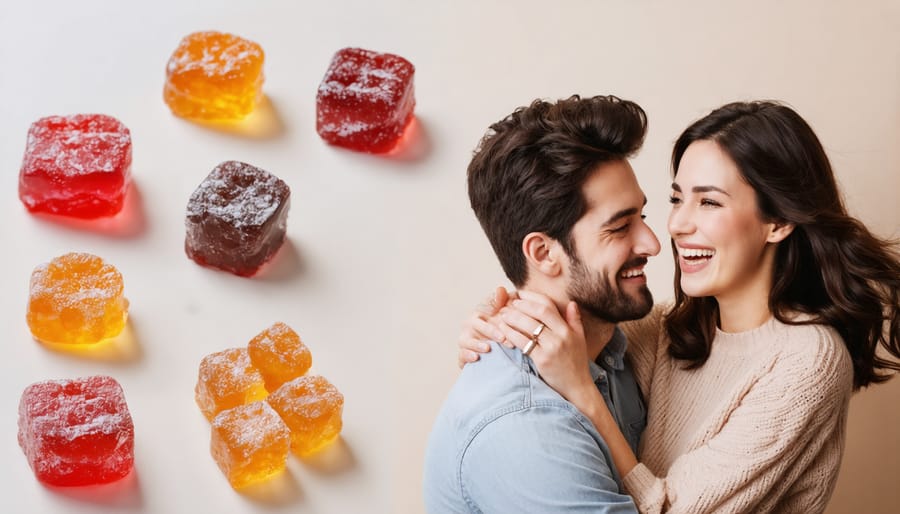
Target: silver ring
[(529, 346), (537, 332)]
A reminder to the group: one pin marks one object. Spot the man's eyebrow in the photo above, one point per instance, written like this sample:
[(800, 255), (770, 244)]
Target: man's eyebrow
[(701, 189), (624, 213)]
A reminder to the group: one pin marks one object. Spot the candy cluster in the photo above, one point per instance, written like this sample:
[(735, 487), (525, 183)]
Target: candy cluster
[(260, 402)]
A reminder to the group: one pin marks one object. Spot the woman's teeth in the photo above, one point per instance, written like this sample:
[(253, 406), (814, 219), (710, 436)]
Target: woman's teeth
[(696, 253)]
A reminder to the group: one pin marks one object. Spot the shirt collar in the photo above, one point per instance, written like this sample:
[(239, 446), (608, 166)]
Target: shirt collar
[(612, 358)]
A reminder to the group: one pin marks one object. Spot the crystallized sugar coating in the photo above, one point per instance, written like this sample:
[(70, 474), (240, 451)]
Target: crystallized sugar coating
[(312, 408), (76, 432), (249, 443), (227, 379), (366, 100), (76, 298), (238, 194), (237, 218), (77, 165), (214, 76), (279, 354)]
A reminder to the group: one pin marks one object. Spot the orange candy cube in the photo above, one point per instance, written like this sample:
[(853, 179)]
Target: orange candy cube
[(227, 379), (76, 299), (279, 354), (311, 407), (214, 76), (249, 443)]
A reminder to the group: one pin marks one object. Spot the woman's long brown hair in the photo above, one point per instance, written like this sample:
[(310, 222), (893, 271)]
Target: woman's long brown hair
[(831, 266)]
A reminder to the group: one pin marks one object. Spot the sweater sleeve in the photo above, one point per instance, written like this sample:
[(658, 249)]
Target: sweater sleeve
[(788, 426), (645, 341)]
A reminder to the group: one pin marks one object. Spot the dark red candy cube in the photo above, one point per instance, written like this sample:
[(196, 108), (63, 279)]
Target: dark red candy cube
[(366, 100), (76, 432), (77, 166), (237, 218)]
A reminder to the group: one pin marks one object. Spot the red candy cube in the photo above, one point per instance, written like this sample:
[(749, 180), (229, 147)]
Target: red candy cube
[(365, 100), (77, 166), (76, 432)]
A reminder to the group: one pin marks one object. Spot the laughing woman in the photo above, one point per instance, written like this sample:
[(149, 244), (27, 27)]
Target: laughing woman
[(782, 301)]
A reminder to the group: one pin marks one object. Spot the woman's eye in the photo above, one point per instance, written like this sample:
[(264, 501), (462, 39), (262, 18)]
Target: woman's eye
[(711, 203), (674, 200), (623, 228)]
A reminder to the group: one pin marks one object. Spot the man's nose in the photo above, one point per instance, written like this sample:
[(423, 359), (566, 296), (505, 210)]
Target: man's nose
[(647, 242)]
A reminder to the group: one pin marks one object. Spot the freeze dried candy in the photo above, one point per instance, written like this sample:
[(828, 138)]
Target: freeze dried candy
[(227, 379), (214, 76), (76, 298), (76, 432), (249, 443), (237, 218), (311, 407), (279, 354), (78, 166), (366, 100)]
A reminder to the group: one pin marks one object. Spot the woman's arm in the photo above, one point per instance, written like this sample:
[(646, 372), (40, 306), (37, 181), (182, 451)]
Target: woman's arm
[(785, 430), (562, 361)]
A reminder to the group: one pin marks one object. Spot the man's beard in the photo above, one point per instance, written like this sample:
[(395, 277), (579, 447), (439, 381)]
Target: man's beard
[(594, 293)]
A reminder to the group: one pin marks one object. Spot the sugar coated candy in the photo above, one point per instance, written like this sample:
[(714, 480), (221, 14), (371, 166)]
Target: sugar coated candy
[(76, 432), (76, 298), (78, 166), (279, 354), (227, 379), (214, 76), (365, 100), (237, 218), (311, 407), (249, 443)]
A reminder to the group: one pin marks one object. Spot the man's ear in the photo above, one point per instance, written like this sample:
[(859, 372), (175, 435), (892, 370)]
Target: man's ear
[(779, 231), (543, 253)]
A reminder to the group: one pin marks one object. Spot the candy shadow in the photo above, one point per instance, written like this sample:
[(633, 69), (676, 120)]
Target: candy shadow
[(335, 459), (122, 349), (129, 223), (414, 146), (123, 494), (263, 123), (286, 265), (282, 489)]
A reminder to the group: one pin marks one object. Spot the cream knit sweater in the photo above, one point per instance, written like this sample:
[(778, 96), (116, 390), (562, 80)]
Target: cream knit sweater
[(758, 428)]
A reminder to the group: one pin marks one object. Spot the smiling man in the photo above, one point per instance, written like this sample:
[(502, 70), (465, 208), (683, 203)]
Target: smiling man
[(559, 202)]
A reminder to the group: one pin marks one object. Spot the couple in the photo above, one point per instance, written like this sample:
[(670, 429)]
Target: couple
[(781, 301)]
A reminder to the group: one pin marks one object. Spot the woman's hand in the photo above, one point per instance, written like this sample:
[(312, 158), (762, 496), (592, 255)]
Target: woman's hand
[(562, 360), (483, 326), (560, 355)]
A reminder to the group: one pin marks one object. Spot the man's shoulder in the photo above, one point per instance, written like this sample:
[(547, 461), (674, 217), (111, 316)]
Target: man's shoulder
[(500, 383), (501, 379), (501, 422)]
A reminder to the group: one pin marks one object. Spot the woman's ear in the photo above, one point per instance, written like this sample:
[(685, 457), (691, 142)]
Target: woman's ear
[(779, 231), (542, 254)]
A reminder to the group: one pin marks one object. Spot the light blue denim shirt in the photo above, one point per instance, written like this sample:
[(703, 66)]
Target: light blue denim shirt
[(505, 442)]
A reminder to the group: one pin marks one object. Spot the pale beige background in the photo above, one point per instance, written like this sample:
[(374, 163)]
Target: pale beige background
[(384, 258)]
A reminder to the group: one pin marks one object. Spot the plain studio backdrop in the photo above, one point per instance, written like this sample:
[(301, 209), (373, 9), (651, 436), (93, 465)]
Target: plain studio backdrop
[(384, 257)]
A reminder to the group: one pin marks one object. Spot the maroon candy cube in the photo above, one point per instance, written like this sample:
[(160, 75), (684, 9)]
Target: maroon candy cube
[(237, 218), (76, 432), (77, 166), (365, 100)]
